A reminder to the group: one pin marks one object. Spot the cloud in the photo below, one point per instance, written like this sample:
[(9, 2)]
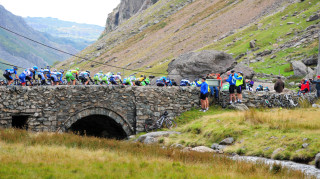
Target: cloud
[(81, 11)]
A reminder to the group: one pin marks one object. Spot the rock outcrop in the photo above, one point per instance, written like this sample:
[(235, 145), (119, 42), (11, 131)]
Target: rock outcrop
[(125, 10), (194, 65)]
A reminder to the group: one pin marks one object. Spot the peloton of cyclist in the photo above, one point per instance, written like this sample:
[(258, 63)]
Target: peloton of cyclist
[(8, 72)]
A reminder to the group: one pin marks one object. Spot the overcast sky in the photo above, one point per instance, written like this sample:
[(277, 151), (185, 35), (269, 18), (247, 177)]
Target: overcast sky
[(81, 11)]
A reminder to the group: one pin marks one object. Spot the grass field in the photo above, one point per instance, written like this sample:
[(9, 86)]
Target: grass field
[(44, 155), (257, 133)]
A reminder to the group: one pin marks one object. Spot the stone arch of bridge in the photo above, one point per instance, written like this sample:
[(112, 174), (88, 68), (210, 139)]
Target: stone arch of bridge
[(102, 119)]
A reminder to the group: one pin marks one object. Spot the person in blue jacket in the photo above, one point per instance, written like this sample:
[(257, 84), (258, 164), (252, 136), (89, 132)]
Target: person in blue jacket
[(204, 93), (232, 79)]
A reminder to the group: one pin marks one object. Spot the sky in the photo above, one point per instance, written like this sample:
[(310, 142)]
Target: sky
[(81, 11)]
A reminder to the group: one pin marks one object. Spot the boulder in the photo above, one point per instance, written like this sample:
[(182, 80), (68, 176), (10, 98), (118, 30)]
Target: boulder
[(313, 17), (246, 70), (305, 145), (317, 161), (299, 68), (310, 73), (313, 60), (238, 107), (227, 141), (253, 44), (194, 65), (179, 146), (202, 149), (150, 140), (150, 137), (264, 53), (216, 146)]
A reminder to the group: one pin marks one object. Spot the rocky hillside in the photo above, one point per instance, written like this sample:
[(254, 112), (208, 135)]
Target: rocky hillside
[(19, 51), (152, 38), (125, 10)]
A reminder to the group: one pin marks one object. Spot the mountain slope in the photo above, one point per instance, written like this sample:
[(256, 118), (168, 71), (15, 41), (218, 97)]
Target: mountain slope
[(75, 34), (150, 39), (21, 52)]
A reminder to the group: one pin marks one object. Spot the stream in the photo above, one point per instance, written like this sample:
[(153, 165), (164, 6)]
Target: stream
[(309, 170)]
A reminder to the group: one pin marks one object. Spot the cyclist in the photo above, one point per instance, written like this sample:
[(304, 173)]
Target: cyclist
[(42, 77), (85, 77), (47, 72), (61, 75), (184, 82), (26, 76), (117, 78), (98, 78), (56, 77), (105, 79), (113, 80), (8, 72), (72, 75)]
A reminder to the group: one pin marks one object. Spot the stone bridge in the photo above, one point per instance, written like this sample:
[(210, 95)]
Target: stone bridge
[(105, 111)]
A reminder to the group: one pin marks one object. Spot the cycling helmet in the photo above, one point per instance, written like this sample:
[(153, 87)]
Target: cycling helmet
[(54, 70), (35, 68), (61, 71), (88, 71), (118, 73), (77, 69), (48, 67), (31, 69), (15, 68)]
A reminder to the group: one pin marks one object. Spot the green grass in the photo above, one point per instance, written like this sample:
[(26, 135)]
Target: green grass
[(257, 133), (273, 29), (45, 155)]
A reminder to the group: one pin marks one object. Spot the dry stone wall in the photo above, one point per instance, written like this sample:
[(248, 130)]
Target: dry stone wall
[(57, 108)]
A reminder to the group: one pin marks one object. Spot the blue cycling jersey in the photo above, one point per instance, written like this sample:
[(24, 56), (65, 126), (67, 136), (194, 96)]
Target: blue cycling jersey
[(11, 71), (47, 72)]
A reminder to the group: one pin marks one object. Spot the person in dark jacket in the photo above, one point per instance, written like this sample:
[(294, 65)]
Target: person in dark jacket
[(317, 82), (279, 85)]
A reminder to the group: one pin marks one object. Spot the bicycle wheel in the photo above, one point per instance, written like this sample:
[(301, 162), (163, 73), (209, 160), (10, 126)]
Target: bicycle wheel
[(171, 124)]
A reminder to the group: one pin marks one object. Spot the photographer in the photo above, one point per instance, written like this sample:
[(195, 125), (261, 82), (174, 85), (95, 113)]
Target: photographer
[(317, 82)]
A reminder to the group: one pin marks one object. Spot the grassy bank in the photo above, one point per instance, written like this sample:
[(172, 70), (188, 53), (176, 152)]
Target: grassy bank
[(28, 155), (257, 133)]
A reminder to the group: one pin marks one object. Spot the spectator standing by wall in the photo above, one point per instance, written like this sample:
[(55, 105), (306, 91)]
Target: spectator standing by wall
[(317, 82), (232, 81), (239, 86), (204, 93)]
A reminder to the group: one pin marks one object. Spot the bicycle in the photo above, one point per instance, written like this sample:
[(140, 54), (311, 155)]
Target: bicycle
[(160, 122)]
